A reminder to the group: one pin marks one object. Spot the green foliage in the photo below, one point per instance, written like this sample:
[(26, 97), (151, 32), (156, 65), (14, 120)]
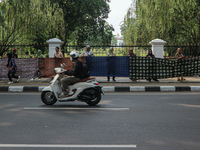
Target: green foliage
[(28, 22), (85, 20), (36, 21), (175, 21)]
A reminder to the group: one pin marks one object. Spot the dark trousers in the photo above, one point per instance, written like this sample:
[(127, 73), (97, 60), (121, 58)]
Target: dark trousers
[(11, 75), (111, 70)]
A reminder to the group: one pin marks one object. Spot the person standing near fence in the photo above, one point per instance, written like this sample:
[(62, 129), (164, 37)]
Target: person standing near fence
[(38, 56), (111, 64), (131, 54), (27, 55), (12, 68), (179, 56), (151, 55), (58, 54), (87, 52)]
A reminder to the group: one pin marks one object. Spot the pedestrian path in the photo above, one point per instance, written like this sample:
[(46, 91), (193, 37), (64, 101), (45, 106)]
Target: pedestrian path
[(121, 85)]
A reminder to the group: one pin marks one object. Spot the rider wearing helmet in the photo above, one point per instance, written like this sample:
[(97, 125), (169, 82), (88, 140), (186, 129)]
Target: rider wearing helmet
[(74, 75)]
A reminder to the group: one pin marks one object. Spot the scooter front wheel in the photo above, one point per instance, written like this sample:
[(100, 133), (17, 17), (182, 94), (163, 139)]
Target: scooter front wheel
[(48, 98)]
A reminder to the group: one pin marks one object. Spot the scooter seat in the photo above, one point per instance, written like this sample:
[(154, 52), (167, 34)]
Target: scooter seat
[(86, 79), (82, 80)]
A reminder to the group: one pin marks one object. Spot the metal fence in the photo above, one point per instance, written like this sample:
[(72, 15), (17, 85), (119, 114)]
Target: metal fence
[(24, 51), (30, 51), (188, 50)]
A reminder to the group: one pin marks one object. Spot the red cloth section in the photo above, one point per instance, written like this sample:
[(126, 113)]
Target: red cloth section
[(47, 65), (26, 67)]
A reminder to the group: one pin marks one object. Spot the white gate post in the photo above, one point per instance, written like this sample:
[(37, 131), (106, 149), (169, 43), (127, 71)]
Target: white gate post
[(157, 47), (53, 43)]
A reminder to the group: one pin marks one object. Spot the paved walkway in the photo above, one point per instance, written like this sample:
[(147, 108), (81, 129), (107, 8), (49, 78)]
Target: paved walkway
[(121, 85)]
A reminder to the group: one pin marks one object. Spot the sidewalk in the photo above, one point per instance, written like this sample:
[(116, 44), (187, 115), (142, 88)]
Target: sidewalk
[(121, 85)]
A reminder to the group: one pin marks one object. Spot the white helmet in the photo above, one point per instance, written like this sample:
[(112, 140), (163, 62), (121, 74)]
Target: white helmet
[(74, 54)]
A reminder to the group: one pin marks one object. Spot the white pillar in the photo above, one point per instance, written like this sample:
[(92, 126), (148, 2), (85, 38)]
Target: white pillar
[(53, 43), (158, 47)]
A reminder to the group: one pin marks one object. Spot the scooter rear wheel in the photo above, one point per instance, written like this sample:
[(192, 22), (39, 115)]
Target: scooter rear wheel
[(96, 99), (48, 98)]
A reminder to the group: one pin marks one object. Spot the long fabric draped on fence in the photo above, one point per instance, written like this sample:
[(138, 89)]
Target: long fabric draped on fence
[(155, 68), (28, 67), (47, 65), (132, 67), (101, 66)]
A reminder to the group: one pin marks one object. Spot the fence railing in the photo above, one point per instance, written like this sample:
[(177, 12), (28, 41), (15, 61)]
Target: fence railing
[(188, 50), (30, 50)]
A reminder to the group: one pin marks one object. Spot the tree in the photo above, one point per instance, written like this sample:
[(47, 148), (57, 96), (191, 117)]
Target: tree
[(84, 18), (174, 21), (11, 26), (36, 21), (28, 21)]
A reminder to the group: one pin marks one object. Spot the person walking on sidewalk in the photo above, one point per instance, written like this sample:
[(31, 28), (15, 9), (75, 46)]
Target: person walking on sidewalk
[(14, 53), (111, 64), (179, 56), (12, 68)]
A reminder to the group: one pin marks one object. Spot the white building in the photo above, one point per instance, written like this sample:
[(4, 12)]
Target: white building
[(119, 40)]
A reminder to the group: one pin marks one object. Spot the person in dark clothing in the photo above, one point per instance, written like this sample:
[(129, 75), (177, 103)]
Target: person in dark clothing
[(153, 56), (111, 64), (14, 53), (12, 68), (150, 54), (74, 75), (131, 54)]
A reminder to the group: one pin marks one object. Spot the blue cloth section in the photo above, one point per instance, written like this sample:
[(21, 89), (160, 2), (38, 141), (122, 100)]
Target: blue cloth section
[(112, 66)]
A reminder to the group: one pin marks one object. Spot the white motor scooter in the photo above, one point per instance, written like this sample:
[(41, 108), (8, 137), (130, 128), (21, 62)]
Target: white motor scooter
[(85, 90)]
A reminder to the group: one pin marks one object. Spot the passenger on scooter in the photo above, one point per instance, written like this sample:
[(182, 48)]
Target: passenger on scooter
[(74, 75)]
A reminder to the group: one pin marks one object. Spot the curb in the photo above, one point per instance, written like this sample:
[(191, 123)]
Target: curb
[(111, 89)]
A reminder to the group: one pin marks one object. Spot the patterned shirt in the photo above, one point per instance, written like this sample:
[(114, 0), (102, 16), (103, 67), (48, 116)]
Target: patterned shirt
[(58, 55), (87, 54), (178, 55)]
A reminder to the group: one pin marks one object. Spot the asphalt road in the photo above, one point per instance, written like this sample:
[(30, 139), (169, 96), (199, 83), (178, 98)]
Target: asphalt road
[(143, 121)]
